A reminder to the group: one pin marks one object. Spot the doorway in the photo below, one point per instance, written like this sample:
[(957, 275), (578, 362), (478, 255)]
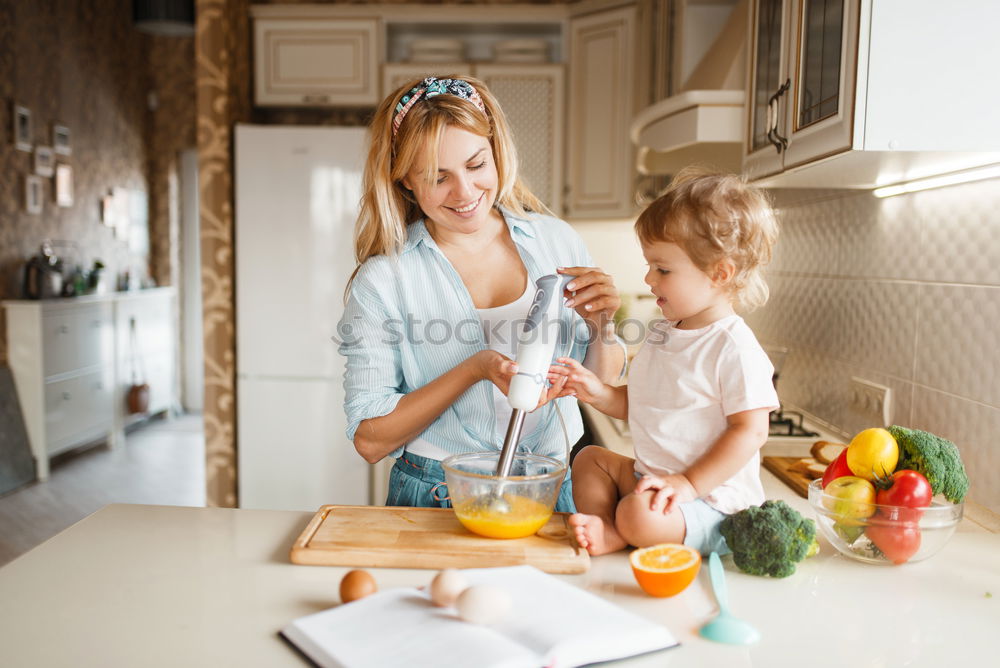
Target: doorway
[(192, 343)]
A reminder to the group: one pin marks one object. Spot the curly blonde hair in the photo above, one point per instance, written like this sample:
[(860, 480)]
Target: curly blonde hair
[(715, 217), (387, 207)]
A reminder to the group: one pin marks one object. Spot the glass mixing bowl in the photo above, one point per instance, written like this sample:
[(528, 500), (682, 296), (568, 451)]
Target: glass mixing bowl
[(881, 534), (511, 507)]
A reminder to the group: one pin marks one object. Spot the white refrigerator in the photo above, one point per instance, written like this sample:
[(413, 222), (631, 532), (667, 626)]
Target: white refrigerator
[(297, 192)]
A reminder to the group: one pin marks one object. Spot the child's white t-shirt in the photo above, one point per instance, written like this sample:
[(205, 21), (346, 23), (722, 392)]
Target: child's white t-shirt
[(682, 384)]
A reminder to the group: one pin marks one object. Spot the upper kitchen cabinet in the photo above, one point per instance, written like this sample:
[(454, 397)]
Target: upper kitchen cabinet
[(802, 82), (858, 93), (600, 158), (315, 61)]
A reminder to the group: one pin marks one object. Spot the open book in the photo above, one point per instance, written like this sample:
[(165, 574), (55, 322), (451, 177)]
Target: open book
[(551, 623)]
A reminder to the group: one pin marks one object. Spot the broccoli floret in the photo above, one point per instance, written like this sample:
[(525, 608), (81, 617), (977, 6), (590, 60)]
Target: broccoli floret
[(769, 539), (936, 458)]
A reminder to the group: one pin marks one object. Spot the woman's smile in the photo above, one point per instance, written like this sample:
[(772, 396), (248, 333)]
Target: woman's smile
[(468, 209)]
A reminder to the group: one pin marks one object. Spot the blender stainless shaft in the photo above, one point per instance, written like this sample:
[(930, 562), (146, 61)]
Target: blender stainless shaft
[(510, 443)]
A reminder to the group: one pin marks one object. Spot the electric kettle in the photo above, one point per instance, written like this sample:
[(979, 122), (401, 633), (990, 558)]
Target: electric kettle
[(43, 277)]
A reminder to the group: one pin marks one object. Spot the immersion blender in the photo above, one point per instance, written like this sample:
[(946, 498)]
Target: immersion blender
[(535, 348)]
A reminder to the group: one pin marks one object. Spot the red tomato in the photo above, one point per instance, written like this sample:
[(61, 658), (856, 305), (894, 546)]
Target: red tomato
[(896, 538), (908, 488), (837, 469)]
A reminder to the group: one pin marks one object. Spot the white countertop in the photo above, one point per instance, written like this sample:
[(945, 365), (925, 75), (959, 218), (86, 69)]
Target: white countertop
[(167, 586)]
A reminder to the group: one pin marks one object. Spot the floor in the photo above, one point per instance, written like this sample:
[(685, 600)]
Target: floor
[(162, 462)]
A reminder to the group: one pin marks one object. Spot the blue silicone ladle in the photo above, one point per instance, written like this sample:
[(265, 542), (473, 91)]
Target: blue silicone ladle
[(725, 628)]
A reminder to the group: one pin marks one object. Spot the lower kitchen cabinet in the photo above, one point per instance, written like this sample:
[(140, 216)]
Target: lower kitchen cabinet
[(73, 361)]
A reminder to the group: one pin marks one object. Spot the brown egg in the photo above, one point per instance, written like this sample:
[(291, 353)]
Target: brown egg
[(357, 584)]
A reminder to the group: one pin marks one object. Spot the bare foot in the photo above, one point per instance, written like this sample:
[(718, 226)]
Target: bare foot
[(595, 534)]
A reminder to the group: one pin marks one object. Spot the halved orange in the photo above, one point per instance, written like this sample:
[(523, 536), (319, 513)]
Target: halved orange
[(665, 569)]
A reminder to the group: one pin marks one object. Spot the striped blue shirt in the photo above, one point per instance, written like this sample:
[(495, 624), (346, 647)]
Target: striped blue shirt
[(410, 319)]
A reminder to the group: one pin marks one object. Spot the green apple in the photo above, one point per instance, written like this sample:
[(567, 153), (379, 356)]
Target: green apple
[(850, 499)]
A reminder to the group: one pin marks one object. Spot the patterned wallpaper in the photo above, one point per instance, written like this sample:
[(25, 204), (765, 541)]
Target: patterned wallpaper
[(223, 83), (59, 66)]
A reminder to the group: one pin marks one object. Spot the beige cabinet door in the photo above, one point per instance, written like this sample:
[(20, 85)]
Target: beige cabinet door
[(803, 78), (768, 81), (315, 62), (533, 100), (823, 66), (600, 156)]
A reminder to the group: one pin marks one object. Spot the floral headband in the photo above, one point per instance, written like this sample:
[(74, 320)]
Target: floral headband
[(430, 87)]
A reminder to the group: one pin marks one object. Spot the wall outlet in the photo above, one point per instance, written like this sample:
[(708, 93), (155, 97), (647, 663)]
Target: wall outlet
[(872, 399)]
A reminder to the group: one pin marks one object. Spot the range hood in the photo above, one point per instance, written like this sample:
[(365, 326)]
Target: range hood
[(698, 126), (703, 124)]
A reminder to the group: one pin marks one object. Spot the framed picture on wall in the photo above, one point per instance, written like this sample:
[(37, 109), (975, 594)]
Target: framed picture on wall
[(33, 194), (22, 128), (64, 185), (60, 140), (44, 161)]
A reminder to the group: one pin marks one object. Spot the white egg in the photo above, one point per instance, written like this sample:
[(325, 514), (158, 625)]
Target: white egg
[(446, 586), (483, 604)]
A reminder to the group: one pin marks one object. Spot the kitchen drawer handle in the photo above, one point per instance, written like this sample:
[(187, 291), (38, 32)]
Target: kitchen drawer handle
[(63, 329), (66, 396), (315, 98)]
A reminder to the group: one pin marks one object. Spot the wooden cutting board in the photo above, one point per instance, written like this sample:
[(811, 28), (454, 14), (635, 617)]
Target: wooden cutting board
[(799, 482), (399, 537)]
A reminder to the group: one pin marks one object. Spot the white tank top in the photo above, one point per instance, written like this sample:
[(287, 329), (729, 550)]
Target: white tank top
[(501, 327)]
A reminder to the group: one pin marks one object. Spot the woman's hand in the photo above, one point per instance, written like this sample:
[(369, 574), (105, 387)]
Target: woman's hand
[(592, 294), (670, 490), (500, 370), (494, 367)]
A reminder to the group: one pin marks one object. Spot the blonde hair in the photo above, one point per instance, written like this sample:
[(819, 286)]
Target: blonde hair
[(715, 217), (387, 207)]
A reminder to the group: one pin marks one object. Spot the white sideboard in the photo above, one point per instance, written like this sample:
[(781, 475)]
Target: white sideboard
[(72, 365)]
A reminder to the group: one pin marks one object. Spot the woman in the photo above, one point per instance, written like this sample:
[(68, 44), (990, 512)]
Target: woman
[(449, 244)]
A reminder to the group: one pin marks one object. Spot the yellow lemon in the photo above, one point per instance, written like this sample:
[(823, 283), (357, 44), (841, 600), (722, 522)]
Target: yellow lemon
[(872, 453)]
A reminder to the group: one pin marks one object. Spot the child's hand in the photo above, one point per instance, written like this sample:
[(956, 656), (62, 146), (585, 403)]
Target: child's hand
[(575, 380), (670, 490)]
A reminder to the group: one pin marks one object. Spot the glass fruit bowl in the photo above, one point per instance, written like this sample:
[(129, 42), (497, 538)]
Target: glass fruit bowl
[(881, 534), (511, 507)]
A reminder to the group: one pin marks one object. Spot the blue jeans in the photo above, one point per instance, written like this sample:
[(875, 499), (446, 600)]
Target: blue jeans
[(419, 482)]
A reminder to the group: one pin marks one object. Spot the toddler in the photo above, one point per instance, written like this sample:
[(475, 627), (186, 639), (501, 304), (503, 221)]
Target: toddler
[(699, 390)]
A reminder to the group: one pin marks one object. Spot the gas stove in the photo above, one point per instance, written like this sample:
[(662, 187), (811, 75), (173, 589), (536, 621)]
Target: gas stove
[(788, 423)]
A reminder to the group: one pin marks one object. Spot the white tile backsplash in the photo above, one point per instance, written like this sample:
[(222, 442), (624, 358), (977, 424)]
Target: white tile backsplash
[(878, 325), (972, 426), (959, 233), (957, 333), (879, 238), (904, 291)]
